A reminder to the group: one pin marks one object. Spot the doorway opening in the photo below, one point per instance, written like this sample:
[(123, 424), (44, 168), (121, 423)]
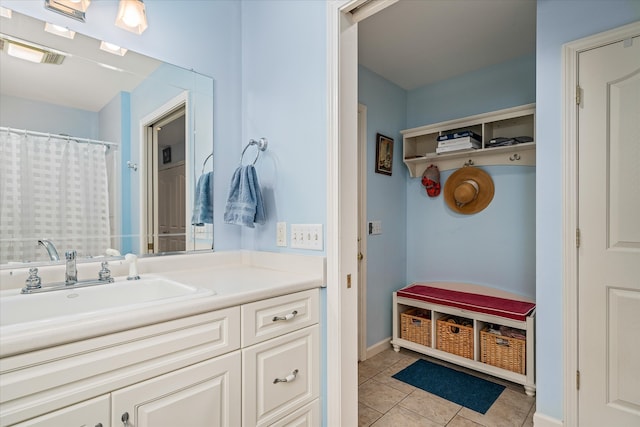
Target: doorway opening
[(165, 182)]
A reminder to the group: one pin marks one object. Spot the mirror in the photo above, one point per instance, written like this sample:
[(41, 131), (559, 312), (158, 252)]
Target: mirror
[(99, 151)]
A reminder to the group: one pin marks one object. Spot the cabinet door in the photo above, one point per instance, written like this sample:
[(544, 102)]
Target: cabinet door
[(280, 376), (307, 416), (91, 413), (205, 394)]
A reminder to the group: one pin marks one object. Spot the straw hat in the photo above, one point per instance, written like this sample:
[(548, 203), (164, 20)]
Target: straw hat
[(468, 190)]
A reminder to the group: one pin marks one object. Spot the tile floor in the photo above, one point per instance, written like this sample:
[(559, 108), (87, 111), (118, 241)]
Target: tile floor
[(384, 401)]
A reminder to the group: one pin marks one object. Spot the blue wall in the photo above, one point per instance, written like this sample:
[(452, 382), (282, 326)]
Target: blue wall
[(386, 201), (509, 84), (558, 22), (22, 113), (495, 247), (284, 99)]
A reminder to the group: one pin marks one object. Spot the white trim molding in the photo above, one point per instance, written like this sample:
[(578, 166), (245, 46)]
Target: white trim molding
[(379, 347), (540, 420), (570, 52)]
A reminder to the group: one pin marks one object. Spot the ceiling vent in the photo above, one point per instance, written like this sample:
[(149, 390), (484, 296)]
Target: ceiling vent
[(30, 51)]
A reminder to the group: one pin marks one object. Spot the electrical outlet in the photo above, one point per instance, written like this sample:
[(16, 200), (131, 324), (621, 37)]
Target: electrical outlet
[(281, 234)]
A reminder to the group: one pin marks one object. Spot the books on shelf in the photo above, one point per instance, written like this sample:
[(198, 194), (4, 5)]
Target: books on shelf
[(468, 145), (458, 135), (457, 144)]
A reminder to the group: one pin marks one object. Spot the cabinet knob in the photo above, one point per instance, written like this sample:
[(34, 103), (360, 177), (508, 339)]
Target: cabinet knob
[(289, 316), (292, 376), (99, 425), (125, 419)]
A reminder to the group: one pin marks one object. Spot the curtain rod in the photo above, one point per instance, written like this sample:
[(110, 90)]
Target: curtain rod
[(64, 137)]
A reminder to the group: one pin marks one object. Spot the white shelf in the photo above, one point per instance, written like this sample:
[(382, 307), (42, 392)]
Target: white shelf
[(419, 144)]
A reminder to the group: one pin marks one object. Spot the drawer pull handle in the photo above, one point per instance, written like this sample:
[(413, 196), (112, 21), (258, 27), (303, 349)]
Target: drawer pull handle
[(289, 316), (292, 376), (125, 419)]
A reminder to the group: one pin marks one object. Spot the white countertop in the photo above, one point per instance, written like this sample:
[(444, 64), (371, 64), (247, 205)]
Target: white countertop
[(234, 277)]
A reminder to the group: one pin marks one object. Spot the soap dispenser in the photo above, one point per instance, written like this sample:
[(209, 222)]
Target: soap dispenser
[(133, 266)]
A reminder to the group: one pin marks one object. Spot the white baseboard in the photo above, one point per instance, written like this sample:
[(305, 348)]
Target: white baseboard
[(379, 347), (540, 420)]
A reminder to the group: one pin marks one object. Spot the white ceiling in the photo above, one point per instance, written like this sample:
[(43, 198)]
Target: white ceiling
[(79, 82), (419, 42)]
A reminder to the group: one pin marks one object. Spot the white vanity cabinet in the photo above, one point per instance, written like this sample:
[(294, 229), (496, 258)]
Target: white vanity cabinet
[(205, 394), (280, 360), (92, 413), (211, 369)]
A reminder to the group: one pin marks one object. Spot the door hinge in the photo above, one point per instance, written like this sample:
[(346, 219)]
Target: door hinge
[(577, 237), (578, 95), (577, 380)]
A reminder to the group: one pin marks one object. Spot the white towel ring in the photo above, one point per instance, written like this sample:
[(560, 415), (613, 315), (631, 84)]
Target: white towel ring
[(261, 145)]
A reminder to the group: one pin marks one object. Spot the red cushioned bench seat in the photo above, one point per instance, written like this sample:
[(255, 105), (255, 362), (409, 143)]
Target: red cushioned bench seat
[(496, 306)]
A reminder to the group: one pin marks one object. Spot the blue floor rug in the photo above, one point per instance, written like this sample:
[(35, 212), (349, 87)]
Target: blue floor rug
[(464, 389)]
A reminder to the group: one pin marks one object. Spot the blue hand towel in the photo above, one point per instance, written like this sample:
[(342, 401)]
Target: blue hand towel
[(244, 204), (203, 203)]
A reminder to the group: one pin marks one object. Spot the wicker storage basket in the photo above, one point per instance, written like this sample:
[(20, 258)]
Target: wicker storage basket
[(455, 338), (503, 352), (415, 326)]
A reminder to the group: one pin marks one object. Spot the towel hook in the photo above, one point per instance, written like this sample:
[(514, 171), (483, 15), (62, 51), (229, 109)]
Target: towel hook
[(261, 145)]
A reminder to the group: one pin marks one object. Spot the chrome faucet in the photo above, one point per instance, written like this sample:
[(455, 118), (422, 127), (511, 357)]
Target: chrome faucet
[(51, 249), (71, 272)]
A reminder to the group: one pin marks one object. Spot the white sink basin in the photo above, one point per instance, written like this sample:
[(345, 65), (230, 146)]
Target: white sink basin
[(73, 305)]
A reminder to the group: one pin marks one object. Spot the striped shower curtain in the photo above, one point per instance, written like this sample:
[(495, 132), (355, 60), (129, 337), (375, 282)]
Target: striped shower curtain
[(52, 188)]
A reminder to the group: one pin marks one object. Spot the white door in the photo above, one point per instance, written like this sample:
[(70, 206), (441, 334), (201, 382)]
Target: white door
[(609, 223), (205, 394), (171, 209)]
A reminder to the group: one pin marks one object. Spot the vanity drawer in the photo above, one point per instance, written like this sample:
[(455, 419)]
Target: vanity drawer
[(280, 376), (46, 380), (270, 318)]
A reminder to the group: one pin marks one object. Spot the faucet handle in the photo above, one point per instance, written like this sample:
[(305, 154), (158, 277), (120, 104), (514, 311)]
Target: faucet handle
[(105, 274), (33, 281)]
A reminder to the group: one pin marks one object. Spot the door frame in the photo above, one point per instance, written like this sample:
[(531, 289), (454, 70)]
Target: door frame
[(570, 52), (362, 232), (177, 102), (342, 206)]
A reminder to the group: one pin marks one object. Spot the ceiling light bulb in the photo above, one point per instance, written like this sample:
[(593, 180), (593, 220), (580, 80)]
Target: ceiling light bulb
[(112, 48), (5, 13), (132, 16), (59, 30)]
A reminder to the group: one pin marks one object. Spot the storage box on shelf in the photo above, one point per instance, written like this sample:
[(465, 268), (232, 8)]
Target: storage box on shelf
[(476, 310), (419, 144), (503, 351), (416, 326), (455, 335)]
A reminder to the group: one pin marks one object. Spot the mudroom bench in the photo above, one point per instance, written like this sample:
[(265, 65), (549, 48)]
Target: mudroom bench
[(474, 326)]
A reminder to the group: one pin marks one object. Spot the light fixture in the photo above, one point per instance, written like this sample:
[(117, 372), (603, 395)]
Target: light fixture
[(72, 8), (112, 48), (5, 13), (59, 30), (29, 51), (132, 16)]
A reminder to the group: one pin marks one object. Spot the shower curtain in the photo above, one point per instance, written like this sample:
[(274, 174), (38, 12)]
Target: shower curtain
[(52, 188)]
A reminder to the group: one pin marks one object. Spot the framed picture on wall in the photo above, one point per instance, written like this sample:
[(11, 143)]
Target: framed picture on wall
[(166, 155), (384, 154)]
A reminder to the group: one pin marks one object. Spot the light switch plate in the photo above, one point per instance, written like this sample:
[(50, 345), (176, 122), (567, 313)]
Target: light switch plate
[(307, 236)]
